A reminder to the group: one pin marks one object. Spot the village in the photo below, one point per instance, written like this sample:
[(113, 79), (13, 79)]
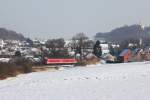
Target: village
[(74, 50), (25, 55), (43, 52)]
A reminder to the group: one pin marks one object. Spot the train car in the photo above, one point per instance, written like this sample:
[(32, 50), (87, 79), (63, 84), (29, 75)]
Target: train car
[(58, 61)]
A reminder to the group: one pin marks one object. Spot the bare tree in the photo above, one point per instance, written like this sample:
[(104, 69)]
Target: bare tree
[(56, 47), (80, 42)]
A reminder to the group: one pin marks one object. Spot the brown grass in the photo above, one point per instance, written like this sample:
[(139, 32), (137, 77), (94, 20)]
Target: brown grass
[(44, 68), (14, 68)]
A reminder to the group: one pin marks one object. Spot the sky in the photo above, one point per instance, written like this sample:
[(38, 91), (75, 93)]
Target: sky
[(45, 19)]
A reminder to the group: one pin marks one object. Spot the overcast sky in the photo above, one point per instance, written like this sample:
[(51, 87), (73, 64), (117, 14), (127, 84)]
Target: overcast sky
[(64, 18)]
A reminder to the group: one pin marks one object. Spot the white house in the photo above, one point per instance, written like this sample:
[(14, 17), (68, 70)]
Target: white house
[(105, 48), (1, 43)]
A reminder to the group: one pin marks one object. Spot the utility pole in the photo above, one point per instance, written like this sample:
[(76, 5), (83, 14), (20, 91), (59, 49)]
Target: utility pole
[(140, 35)]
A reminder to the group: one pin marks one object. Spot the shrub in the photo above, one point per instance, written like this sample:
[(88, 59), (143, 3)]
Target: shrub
[(24, 64), (7, 70), (16, 66), (81, 63)]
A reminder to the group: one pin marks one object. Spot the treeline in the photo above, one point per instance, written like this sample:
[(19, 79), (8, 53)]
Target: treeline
[(58, 48), (11, 35), (133, 32)]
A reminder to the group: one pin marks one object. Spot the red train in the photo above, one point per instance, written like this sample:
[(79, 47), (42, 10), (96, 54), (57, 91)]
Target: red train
[(51, 61)]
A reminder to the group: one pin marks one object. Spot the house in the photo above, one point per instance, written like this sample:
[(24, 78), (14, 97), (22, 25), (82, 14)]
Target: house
[(1, 43), (125, 55), (105, 48), (142, 54)]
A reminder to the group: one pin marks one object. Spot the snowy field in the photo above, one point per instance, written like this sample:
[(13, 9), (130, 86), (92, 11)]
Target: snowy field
[(129, 81)]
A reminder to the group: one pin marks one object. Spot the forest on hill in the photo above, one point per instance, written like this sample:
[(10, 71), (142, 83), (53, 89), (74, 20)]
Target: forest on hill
[(6, 34), (132, 32)]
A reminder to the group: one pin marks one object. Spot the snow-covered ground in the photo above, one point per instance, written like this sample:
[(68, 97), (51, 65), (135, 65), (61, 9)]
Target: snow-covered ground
[(129, 81)]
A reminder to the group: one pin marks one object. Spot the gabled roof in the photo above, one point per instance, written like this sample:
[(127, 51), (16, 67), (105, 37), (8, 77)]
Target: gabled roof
[(124, 52)]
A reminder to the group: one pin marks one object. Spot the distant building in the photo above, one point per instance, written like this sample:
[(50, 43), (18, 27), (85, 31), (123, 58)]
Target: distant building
[(125, 55), (105, 48), (1, 43), (102, 40)]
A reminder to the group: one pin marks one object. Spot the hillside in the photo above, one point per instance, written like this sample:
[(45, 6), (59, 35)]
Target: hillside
[(128, 81), (125, 32), (11, 35)]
